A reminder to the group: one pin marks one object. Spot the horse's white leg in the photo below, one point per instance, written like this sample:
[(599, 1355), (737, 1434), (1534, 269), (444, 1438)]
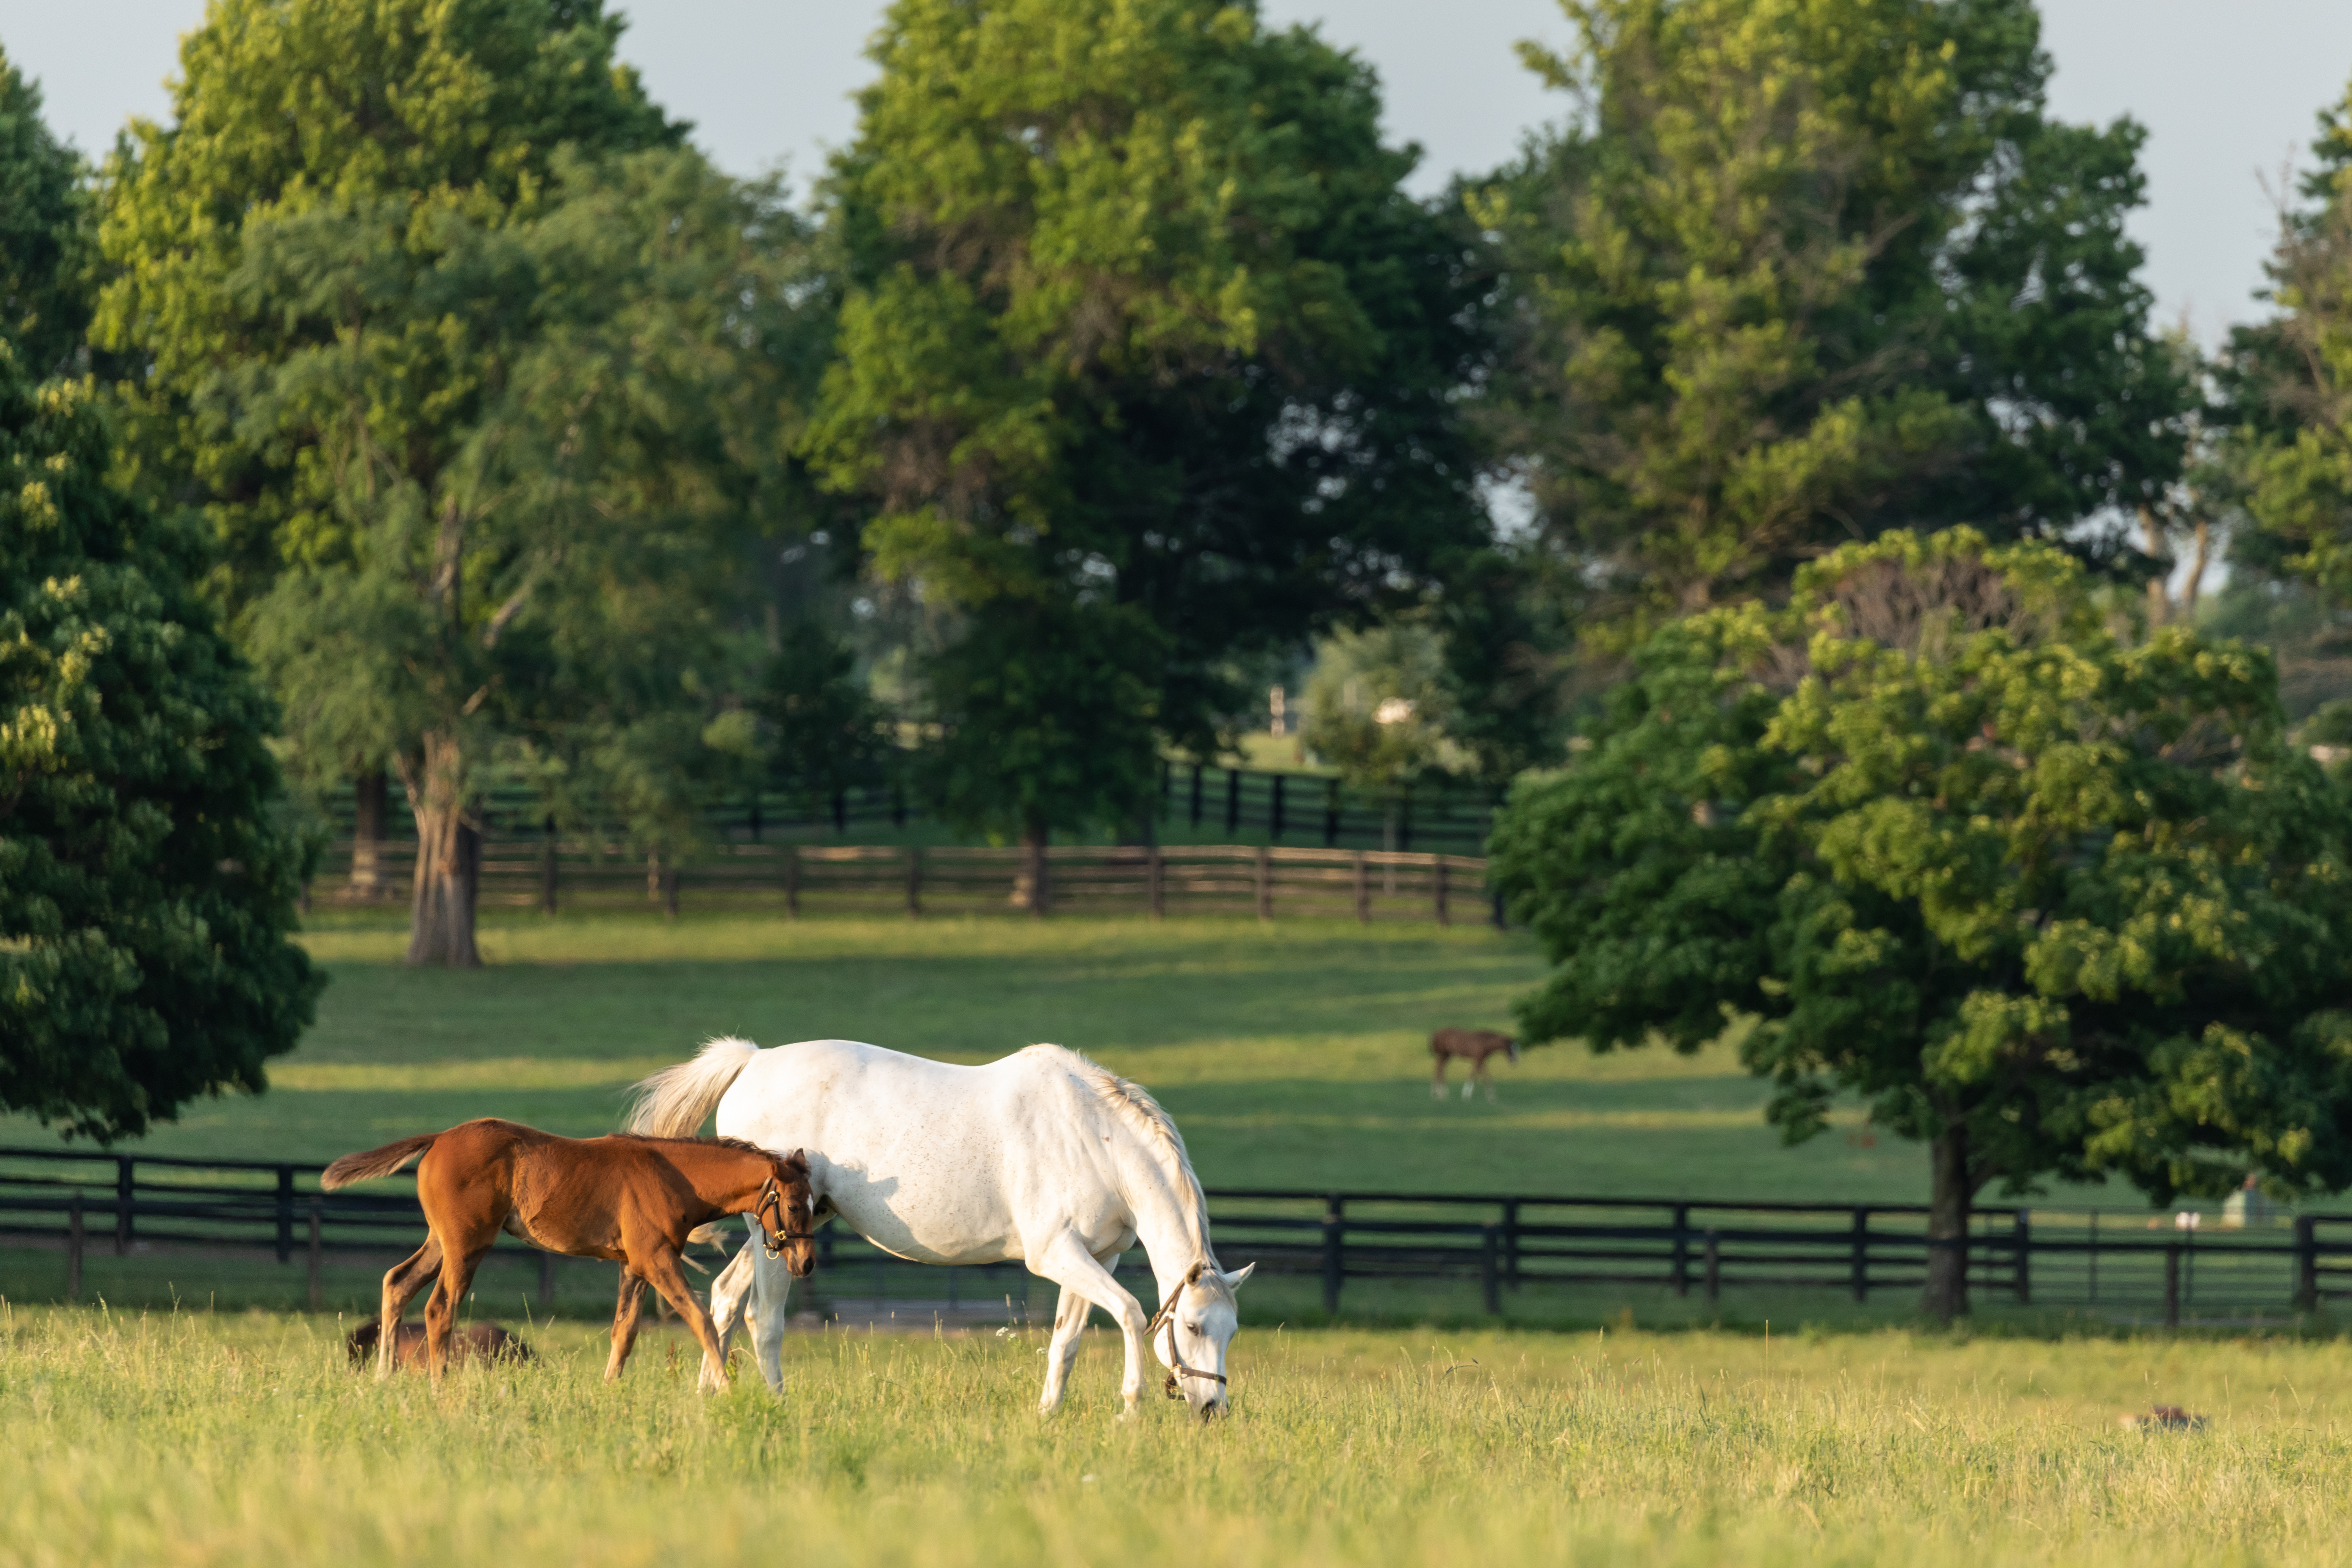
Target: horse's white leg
[(1437, 1082), (772, 1287), (1469, 1084), (1069, 1322), (1066, 1261), (729, 1291)]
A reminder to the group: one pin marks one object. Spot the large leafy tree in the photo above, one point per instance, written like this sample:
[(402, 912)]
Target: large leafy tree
[(1144, 359), (471, 369), (44, 233), (2053, 900), (2290, 381), (1800, 270), (147, 886)]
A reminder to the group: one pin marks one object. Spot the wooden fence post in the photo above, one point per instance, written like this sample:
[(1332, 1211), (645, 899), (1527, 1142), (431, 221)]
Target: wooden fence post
[(1363, 893), (2172, 1284), (1264, 883), (1274, 822), (1861, 1267), (791, 881), (2021, 1247), (73, 1247), (1156, 872), (1331, 816), (1712, 1268), (2306, 1264), (285, 1214), (123, 1218), (1196, 795), (1511, 1242), (318, 1260), (1679, 1275), (1438, 889), (547, 863), (1490, 1285), (915, 883), (1233, 801), (1041, 891), (1335, 1264)]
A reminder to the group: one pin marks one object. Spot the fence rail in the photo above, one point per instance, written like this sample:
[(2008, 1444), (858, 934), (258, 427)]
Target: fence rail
[(2048, 1256), (551, 873)]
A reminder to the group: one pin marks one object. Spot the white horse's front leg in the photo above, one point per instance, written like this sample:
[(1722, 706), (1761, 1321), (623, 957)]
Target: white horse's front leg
[(772, 1287), (1062, 1352), (728, 1293), (1066, 1262)]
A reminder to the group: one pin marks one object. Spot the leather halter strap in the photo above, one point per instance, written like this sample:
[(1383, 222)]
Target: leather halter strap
[(1167, 1315), (771, 1196)]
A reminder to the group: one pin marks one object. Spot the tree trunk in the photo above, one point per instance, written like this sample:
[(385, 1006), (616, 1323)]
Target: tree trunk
[(1948, 1200), (1033, 886), (448, 861), (2159, 602), (369, 803)]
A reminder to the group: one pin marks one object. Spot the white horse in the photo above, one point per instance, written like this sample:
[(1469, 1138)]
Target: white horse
[(1043, 1158)]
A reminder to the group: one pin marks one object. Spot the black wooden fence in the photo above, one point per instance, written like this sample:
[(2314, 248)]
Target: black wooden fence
[(2109, 1260)]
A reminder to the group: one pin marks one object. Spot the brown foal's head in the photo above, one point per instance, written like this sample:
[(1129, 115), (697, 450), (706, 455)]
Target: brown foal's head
[(786, 1213)]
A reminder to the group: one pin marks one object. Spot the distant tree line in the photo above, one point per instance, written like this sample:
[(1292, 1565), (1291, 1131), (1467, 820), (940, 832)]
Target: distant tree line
[(1710, 470)]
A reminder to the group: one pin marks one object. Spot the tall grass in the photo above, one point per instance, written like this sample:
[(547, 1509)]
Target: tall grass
[(203, 1439)]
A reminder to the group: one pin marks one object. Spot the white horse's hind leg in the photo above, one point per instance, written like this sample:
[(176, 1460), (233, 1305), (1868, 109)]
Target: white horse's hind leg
[(1069, 1322), (1066, 1261), (772, 1287)]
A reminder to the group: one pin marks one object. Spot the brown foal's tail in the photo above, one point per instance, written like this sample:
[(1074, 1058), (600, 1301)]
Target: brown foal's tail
[(375, 1163)]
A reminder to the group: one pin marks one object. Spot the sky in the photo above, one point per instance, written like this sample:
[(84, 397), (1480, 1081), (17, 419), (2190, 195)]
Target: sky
[(2227, 89)]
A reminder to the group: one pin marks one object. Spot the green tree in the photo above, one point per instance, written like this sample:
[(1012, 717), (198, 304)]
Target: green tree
[(147, 888), (826, 732), (472, 379), (44, 232), (2290, 381), (1379, 708), (1141, 352), (1801, 270), (2054, 901)]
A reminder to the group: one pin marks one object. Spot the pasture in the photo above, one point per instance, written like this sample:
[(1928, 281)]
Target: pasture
[(1292, 1054), (227, 1439)]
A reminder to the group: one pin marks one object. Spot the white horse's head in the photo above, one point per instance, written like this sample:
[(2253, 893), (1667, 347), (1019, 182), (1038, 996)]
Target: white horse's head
[(1193, 1330)]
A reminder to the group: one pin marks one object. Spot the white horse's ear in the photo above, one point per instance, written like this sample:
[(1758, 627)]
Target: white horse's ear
[(1234, 1280)]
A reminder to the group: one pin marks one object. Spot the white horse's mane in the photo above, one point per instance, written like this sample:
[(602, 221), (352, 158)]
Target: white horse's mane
[(1133, 1104)]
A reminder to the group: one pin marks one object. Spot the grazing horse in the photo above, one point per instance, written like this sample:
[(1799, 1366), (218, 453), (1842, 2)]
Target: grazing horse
[(1472, 1046), (1043, 1158), (627, 1199)]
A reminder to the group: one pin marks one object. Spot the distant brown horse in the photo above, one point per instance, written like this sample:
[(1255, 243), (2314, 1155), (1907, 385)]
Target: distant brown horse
[(1472, 1046), (628, 1199)]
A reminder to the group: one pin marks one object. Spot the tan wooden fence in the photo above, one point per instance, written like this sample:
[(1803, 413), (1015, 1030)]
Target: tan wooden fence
[(551, 874)]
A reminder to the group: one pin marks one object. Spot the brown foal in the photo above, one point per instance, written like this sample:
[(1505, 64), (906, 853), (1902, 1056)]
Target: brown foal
[(628, 1199), (1472, 1046)]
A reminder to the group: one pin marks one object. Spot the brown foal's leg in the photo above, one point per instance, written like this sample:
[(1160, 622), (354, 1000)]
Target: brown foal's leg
[(401, 1284), (661, 1268), (625, 1321), (441, 1312)]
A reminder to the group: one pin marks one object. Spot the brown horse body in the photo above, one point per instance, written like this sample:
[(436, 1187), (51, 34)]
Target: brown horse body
[(627, 1199), (1472, 1046)]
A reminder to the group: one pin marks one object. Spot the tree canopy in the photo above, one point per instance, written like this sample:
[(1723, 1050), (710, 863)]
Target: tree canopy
[(2055, 900), (147, 883), (1796, 271), (1144, 359), (44, 233), (475, 372)]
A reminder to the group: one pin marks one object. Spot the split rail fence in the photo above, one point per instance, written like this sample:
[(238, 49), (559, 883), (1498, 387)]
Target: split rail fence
[(2051, 1255), (551, 873)]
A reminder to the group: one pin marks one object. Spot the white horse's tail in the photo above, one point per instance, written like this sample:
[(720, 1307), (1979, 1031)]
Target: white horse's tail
[(674, 1101)]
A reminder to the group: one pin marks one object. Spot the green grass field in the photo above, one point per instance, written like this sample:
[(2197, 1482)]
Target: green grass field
[(1292, 1054), (202, 1439)]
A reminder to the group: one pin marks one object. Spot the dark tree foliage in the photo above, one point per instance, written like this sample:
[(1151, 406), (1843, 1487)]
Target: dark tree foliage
[(2054, 901), (44, 233), (147, 888)]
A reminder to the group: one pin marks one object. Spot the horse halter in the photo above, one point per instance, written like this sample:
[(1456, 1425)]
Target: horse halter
[(1166, 1314), (771, 1196)]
